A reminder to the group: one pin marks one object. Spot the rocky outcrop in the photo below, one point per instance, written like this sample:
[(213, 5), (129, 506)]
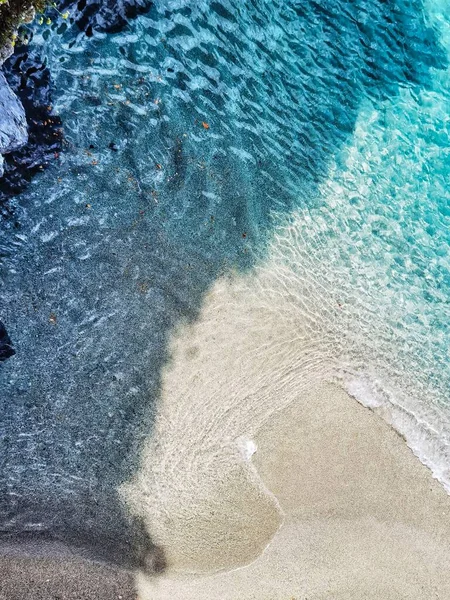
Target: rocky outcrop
[(13, 14), (13, 124), (29, 78)]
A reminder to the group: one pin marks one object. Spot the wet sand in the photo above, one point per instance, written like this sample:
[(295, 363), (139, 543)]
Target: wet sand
[(27, 578), (363, 517)]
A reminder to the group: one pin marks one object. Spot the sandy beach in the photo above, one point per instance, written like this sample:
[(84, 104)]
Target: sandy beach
[(262, 477), (363, 517)]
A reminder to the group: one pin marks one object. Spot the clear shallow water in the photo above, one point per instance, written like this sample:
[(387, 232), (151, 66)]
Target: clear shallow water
[(388, 263), (211, 137)]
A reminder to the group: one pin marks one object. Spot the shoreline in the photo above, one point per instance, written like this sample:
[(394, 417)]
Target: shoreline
[(253, 367), (420, 436), (364, 518)]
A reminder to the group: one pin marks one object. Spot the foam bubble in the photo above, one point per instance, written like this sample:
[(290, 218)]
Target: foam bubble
[(247, 447)]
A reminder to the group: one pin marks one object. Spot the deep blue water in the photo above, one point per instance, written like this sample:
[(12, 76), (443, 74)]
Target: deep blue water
[(185, 135)]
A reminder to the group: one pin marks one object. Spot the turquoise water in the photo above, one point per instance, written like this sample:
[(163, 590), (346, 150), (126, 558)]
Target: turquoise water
[(202, 140), (387, 202)]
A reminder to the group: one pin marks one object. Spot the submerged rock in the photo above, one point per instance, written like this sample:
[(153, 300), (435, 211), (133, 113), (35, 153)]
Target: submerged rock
[(6, 349), (13, 124), (108, 16), (29, 78)]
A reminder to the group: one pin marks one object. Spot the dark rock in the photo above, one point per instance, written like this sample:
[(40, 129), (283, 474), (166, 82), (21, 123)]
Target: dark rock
[(6, 349), (29, 77), (13, 125), (108, 16)]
